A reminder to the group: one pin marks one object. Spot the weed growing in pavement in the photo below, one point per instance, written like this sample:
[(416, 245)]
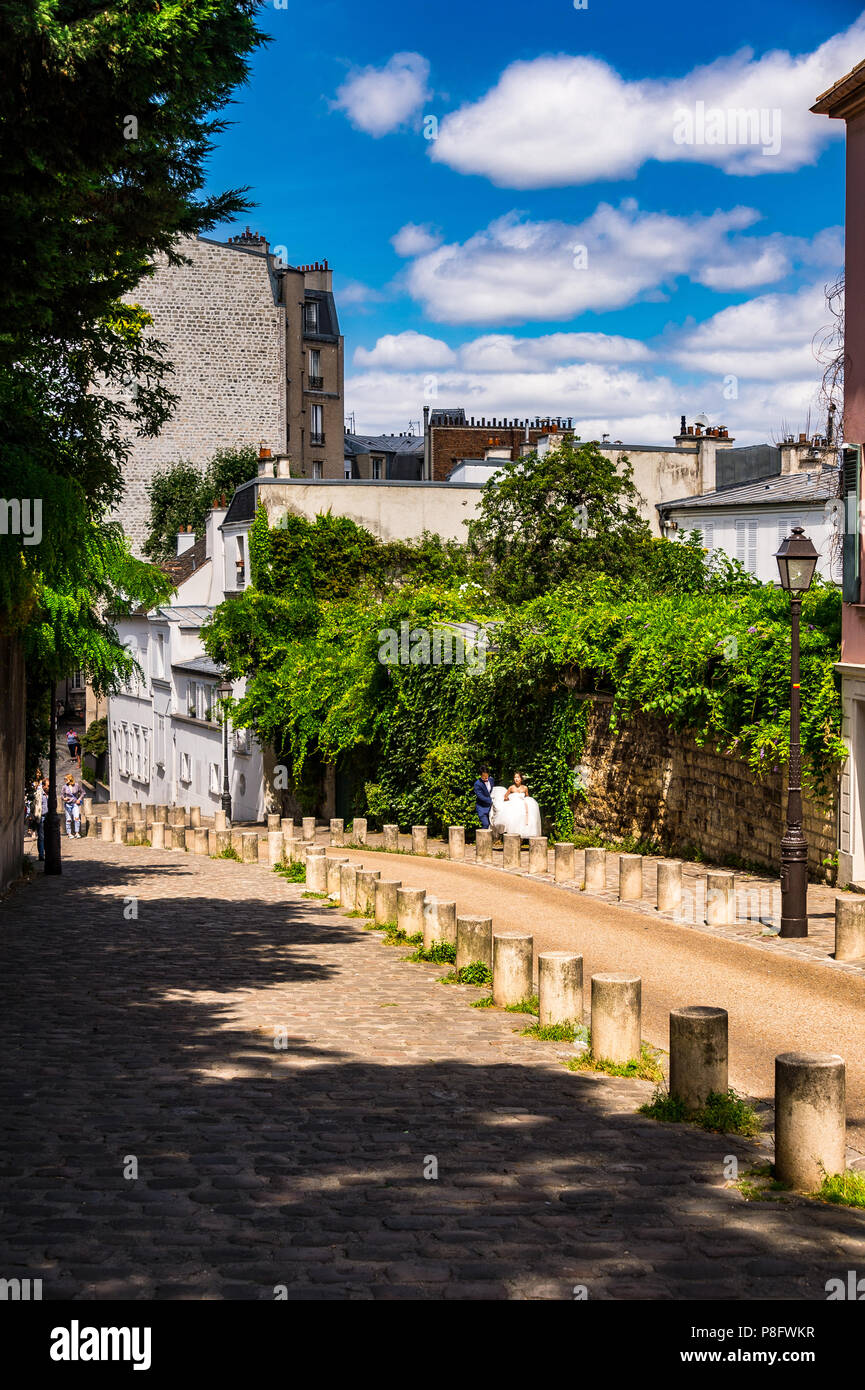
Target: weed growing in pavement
[(294, 873), (843, 1189), (552, 1032), (646, 1067), (476, 974), (228, 853), (724, 1112), (307, 894), (439, 953), (487, 1003), (354, 913), (759, 1185), (525, 1006)]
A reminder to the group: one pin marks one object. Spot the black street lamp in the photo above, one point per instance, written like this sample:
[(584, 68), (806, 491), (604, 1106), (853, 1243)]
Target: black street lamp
[(224, 693), (797, 561)]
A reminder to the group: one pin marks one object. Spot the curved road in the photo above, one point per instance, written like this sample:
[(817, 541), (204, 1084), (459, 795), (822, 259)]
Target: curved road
[(775, 1005)]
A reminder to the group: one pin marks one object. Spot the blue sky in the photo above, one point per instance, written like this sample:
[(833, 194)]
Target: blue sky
[(543, 209)]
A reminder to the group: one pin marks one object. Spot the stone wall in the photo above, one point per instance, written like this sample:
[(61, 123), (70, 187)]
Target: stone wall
[(225, 336), (11, 760), (644, 780)]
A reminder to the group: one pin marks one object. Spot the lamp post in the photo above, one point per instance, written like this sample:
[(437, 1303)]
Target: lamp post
[(797, 561), (224, 693), (53, 859)]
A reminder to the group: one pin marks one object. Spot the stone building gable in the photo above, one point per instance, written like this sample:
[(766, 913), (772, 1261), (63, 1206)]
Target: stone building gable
[(225, 336)]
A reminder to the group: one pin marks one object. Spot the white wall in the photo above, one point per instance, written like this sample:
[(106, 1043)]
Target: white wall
[(753, 535)]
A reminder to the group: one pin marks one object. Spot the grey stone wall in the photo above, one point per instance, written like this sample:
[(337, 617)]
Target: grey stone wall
[(645, 780), (225, 335)]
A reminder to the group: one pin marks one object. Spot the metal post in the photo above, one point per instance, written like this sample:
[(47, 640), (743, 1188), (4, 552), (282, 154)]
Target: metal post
[(794, 847), (53, 861), (226, 789)]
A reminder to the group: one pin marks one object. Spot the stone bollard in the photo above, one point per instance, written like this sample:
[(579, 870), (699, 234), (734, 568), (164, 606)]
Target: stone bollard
[(274, 820), (538, 857), (157, 834), (810, 1118), (511, 851), (195, 817), (297, 850), (456, 842), (385, 891), (560, 987), (720, 898), (87, 815), (263, 849), (616, 1017), (698, 1053), (337, 831), (220, 820), (409, 910), (249, 846), (439, 922), (160, 813), (474, 941), (418, 839), (365, 896), (483, 846), (111, 809), (358, 830), (564, 870), (669, 885), (275, 847), (218, 841), (121, 831), (334, 864), (122, 810), (308, 826), (237, 842), (849, 926), (139, 811), (106, 828), (630, 878), (512, 967), (390, 838), (200, 841), (176, 815), (348, 873), (188, 838), (316, 873), (286, 825), (595, 876), (177, 837)]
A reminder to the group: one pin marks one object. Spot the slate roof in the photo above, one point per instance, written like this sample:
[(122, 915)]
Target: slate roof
[(180, 567), (817, 486), (383, 444), (203, 664), (187, 615)]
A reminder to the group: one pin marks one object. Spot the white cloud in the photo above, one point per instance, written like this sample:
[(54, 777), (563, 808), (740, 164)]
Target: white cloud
[(405, 350), (560, 120), (380, 100), (503, 352), (768, 339), (517, 271), (414, 240)]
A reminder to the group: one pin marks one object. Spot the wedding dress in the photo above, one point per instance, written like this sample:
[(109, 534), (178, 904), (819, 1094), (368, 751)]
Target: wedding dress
[(519, 815)]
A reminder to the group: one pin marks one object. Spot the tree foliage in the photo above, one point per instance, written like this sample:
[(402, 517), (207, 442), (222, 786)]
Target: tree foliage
[(182, 495)]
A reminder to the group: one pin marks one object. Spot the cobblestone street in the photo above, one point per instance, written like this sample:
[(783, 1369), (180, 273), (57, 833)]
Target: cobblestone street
[(151, 1041)]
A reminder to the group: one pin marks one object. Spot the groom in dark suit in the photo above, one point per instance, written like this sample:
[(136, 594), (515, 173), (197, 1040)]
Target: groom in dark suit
[(483, 790)]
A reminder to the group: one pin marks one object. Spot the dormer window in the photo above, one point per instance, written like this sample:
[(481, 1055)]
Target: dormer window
[(310, 316)]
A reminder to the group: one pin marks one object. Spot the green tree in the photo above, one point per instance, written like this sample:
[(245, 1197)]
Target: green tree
[(543, 520), (182, 495)]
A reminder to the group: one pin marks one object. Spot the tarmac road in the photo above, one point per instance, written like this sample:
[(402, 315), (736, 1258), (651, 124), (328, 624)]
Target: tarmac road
[(775, 1005)]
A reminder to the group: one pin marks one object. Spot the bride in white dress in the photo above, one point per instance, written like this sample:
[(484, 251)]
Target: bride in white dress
[(513, 811)]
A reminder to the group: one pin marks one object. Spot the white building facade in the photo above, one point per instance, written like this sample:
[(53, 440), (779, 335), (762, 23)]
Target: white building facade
[(166, 738)]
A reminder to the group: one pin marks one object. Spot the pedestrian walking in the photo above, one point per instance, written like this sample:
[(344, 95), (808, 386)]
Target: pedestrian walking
[(73, 743), (72, 795), (40, 813)]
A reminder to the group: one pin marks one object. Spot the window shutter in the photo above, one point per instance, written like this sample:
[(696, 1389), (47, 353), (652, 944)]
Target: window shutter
[(851, 462), (709, 535)]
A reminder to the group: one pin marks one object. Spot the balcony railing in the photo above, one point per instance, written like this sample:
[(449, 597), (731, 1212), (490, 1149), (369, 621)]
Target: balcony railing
[(316, 383), (316, 438)]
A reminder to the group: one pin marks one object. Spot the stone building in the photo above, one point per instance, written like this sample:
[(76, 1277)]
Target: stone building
[(257, 357)]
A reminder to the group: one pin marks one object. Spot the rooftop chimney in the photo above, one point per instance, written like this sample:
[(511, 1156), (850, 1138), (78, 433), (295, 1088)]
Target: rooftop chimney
[(185, 540)]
